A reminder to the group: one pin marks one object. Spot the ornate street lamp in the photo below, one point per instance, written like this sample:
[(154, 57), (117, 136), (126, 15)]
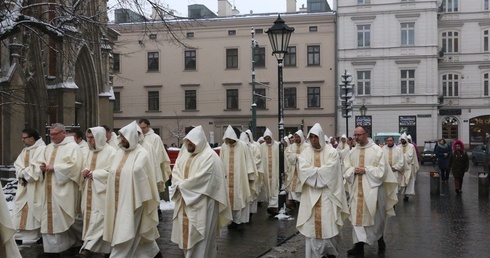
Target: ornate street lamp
[(279, 35), (363, 110)]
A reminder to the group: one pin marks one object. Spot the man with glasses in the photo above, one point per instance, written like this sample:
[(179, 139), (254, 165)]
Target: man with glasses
[(372, 188), (28, 198), (61, 167)]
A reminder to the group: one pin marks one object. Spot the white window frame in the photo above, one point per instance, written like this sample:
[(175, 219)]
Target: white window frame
[(450, 6), (407, 29), (450, 41), (365, 31), (363, 83), (407, 81), (450, 84)]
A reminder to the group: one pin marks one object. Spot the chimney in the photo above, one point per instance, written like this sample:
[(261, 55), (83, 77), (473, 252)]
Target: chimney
[(291, 6), (224, 8), (235, 11), (303, 8)]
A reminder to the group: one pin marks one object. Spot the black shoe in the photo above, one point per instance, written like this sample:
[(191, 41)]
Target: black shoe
[(39, 241), (405, 199), (49, 255), (358, 249), (18, 241), (160, 214), (159, 255), (381, 245), (240, 227), (233, 225), (273, 211)]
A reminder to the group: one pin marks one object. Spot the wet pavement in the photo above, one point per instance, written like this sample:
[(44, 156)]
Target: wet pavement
[(448, 225)]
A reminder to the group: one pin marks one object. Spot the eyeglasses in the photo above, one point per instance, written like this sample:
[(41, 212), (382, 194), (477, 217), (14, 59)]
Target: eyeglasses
[(359, 135), (54, 134)]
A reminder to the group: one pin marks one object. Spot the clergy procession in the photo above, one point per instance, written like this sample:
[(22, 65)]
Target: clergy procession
[(100, 192)]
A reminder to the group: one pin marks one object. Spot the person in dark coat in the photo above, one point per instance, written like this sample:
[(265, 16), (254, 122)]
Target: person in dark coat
[(442, 152), (459, 164)]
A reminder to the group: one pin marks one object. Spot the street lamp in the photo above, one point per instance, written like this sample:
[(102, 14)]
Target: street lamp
[(254, 103), (279, 35), (346, 97), (363, 110)]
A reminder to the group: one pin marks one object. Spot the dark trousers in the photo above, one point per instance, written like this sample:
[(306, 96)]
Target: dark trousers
[(444, 174), (458, 183)]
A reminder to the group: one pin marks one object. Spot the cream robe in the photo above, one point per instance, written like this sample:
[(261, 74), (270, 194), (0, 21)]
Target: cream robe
[(293, 184), (163, 160), (131, 208), (323, 203), (239, 168), (62, 195), (113, 141), (8, 248), (270, 166), (27, 211), (396, 162), (99, 162), (201, 197), (372, 195), (411, 168)]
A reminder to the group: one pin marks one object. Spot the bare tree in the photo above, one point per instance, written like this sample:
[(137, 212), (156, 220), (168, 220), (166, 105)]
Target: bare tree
[(178, 131)]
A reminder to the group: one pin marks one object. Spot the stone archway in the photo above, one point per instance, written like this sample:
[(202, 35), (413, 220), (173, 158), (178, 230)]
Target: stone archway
[(87, 96), (450, 128)]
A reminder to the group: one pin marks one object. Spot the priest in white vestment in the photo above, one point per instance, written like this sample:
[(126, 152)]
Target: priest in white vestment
[(269, 151), (239, 170), (131, 218), (62, 168), (396, 160), (95, 174), (323, 205), (411, 167), (372, 192), (255, 185), (293, 184), (8, 247), (200, 195), (27, 211)]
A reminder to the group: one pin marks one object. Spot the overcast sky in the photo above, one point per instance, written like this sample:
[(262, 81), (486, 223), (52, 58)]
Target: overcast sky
[(244, 6)]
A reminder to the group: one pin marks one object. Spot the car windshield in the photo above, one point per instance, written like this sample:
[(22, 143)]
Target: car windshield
[(429, 146)]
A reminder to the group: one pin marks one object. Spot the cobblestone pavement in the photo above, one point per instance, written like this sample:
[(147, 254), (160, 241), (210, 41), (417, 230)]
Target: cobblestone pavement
[(448, 225)]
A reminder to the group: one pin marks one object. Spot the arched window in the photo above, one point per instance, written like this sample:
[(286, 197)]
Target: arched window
[(450, 85), (450, 128)]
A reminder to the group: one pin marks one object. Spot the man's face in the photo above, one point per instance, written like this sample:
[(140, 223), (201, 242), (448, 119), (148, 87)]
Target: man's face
[(292, 140), (314, 141), (360, 136), (77, 140), (390, 142), (57, 135), (191, 147), (403, 141), (297, 139), (144, 127), (229, 141), (124, 142), (343, 140), (108, 135), (91, 140), (28, 141), (268, 139)]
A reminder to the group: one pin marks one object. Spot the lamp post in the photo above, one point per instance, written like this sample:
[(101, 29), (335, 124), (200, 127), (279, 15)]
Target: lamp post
[(346, 97), (279, 35), (254, 103)]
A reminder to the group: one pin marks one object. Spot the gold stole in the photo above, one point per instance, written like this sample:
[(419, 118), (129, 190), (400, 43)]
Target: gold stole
[(360, 192), (25, 209), (269, 165), (88, 208), (295, 174), (390, 157), (118, 179), (49, 190), (231, 175), (185, 219), (318, 205)]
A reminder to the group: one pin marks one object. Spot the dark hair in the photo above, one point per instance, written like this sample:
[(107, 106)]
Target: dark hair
[(388, 137), (31, 133), (144, 120), (77, 132), (107, 128)]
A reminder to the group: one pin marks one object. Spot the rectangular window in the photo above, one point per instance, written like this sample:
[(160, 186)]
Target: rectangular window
[(313, 97), (485, 5), (190, 59), (486, 81), (363, 82), (363, 1), (313, 55), (260, 98), (259, 56), (232, 99), (407, 81), (259, 31), (313, 28), (364, 35), (450, 41), (407, 34), (290, 57), (450, 6), (486, 41), (290, 97), (116, 65), (117, 101), (153, 61), (231, 32), (232, 58), (450, 85), (190, 100), (189, 34), (153, 100)]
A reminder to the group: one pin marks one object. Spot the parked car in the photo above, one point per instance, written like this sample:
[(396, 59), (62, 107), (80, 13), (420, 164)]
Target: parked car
[(478, 154), (428, 154)]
